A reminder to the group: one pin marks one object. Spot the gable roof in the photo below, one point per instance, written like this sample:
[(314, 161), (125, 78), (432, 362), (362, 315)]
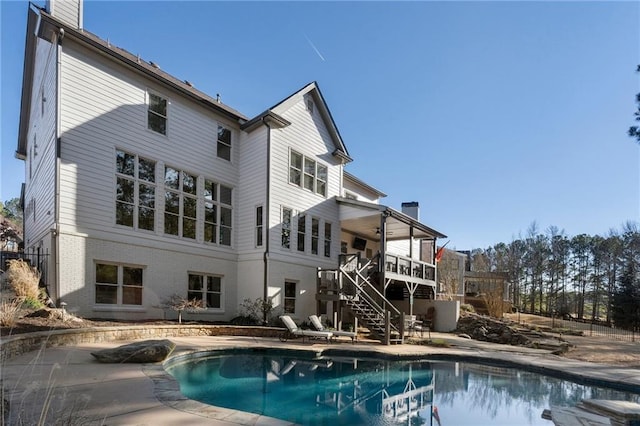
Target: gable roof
[(41, 24), (313, 90)]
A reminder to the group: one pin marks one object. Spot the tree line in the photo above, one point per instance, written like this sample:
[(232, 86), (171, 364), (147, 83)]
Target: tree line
[(585, 277)]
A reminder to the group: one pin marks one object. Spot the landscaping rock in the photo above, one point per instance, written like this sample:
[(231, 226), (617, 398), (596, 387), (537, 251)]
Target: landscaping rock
[(138, 352), (41, 313), (492, 330)]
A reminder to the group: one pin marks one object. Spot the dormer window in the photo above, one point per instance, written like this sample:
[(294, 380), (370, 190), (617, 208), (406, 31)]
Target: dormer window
[(157, 114), (224, 143)]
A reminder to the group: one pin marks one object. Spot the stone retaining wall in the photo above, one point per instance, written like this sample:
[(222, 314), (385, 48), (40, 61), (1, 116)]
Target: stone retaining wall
[(13, 346)]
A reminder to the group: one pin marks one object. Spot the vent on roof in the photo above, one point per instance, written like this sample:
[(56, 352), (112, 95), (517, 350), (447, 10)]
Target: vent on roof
[(153, 64), (217, 97), (188, 83)]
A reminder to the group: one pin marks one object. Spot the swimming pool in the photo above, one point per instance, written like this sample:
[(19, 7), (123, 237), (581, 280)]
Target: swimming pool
[(347, 390)]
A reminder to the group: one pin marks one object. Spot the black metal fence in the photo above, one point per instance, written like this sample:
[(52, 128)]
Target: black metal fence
[(586, 327), (37, 258)]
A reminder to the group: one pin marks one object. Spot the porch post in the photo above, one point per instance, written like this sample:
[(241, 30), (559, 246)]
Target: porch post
[(412, 285), (383, 250)]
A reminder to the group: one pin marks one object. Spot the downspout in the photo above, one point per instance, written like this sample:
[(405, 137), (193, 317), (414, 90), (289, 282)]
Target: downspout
[(267, 210), (58, 154)]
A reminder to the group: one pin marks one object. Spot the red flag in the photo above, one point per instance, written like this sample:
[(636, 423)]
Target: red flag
[(440, 252)]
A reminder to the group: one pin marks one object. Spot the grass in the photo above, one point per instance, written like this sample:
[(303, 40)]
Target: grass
[(9, 309), (24, 281), (28, 401)]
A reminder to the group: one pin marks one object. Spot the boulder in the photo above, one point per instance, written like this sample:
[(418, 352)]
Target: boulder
[(137, 352)]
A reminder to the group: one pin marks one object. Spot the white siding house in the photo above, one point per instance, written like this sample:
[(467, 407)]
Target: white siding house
[(143, 187)]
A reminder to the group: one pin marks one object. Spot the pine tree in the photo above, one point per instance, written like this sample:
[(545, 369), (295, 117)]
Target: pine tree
[(626, 299)]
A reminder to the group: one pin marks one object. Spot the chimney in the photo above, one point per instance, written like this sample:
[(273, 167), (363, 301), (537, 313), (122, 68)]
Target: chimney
[(67, 11), (411, 209)]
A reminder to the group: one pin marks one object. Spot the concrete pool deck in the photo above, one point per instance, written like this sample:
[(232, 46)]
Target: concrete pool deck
[(68, 384)]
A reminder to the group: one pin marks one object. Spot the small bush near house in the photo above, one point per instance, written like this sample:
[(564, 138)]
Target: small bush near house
[(253, 312), (24, 281), (9, 310), (180, 304), (467, 308)]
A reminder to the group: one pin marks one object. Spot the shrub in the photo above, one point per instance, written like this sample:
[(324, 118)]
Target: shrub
[(9, 311), (180, 304), (24, 281), (257, 310), (465, 307)]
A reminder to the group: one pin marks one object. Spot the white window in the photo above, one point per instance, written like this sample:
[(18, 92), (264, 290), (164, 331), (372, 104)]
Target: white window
[(295, 168), (259, 226), (224, 143), (157, 113), (180, 203), (135, 191), (289, 297), (302, 225), (315, 234), (218, 213), (118, 284), (327, 239), (307, 173), (207, 288), (286, 227)]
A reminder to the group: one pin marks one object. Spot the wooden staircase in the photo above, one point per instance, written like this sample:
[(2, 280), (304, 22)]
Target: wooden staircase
[(374, 320), (356, 285)]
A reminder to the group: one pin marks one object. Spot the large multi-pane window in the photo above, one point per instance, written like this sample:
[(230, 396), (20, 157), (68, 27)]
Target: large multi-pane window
[(217, 213), (118, 284), (307, 173), (180, 203), (286, 227), (224, 143), (302, 225), (315, 234), (327, 239), (206, 288), (289, 297), (157, 113), (135, 191), (259, 226)]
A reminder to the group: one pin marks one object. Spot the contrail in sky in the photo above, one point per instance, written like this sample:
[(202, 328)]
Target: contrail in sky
[(314, 48)]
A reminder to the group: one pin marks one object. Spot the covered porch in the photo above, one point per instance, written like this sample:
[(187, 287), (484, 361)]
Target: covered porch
[(405, 246), (387, 259)]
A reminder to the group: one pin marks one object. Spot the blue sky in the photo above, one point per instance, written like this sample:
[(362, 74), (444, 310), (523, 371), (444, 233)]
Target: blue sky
[(491, 115)]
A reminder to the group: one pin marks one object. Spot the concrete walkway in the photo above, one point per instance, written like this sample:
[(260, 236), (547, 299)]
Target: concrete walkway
[(66, 385)]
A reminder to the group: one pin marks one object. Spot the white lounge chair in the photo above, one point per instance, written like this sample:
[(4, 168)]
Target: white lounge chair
[(294, 331), (315, 321)]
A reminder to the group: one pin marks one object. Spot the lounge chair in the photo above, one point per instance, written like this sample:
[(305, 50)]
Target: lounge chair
[(294, 331), (317, 324)]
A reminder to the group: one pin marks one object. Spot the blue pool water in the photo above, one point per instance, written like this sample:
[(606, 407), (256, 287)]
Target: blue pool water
[(351, 391)]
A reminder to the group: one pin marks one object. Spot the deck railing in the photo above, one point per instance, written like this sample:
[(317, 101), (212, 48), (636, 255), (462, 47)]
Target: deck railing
[(408, 267)]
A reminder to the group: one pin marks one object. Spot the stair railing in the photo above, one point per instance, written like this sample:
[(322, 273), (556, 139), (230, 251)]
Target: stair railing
[(350, 264)]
